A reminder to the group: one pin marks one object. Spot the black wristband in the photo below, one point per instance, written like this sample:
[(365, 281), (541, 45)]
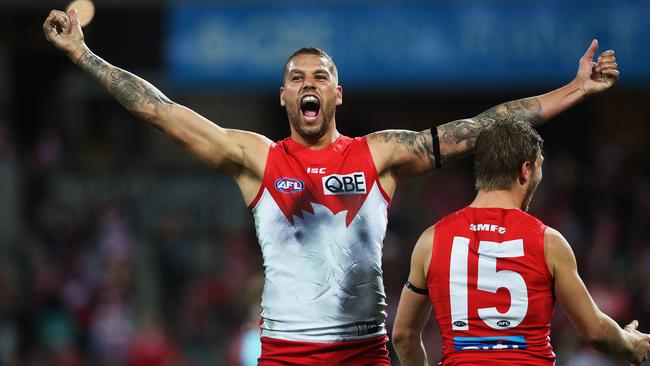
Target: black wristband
[(435, 141), (415, 289)]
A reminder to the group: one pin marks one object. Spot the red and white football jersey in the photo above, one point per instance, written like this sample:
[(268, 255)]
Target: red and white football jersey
[(321, 218), (491, 289)]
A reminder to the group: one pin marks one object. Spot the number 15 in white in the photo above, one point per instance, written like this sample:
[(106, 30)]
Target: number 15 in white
[(488, 279)]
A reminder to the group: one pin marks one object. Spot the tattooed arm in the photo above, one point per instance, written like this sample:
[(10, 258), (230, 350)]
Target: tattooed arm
[(134, 93), (400, 153), (238, 153), (457, 138)]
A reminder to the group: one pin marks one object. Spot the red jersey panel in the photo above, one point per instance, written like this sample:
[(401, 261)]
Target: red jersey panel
[(491, 289), (366, 352), (338, 176)]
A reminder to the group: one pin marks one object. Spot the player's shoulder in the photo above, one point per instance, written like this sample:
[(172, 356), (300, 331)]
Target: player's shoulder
[(557, 250), (523, 215), (282, 144), (351, 141), (428, 233), (555, 241), (452, 218), (553, 235), (347, 142), (425, 242), (524, 222)]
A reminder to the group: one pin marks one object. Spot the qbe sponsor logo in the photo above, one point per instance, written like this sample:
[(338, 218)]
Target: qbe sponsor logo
[(289, 185), (352, 183)]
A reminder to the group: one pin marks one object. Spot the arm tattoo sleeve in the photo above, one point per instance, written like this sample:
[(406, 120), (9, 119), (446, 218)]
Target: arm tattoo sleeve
[(134, 93), (457, 138), (417, 143)]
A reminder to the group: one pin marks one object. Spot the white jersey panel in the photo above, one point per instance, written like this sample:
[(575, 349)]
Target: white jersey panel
[(323, 277)]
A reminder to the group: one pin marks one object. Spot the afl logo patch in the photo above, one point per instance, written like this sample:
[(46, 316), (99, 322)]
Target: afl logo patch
[(503, 323), (460, 323), (289, 185)]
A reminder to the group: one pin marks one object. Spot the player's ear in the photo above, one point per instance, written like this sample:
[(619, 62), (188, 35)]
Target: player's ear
[(339, 95), (525, 172), (282, 103)]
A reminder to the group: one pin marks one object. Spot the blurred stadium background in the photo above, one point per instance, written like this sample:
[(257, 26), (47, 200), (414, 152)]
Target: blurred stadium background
[(117, 248)]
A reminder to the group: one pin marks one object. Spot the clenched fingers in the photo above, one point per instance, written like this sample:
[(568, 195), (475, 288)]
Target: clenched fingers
[(51, 27), (608, 56), (608, 66), (603, 59), (611, 66), (56, 23)]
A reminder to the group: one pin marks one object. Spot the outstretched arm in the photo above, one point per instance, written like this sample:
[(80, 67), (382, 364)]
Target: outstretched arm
[(232, 151), (592, 325), (408, 153)]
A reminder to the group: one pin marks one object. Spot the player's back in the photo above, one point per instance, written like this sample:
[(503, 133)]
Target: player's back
[(491, 288)]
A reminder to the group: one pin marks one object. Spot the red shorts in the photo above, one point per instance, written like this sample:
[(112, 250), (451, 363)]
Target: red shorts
[(366, 352)]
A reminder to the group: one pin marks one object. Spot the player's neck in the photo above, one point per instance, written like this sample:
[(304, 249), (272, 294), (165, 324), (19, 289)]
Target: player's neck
[(326, 140), (497, 199)]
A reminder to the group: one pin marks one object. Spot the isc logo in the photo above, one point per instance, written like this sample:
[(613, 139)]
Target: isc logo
[(289, 185), (353, 183), (316, 170)]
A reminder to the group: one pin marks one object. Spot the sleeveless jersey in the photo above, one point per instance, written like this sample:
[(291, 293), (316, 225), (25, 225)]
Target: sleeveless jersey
[(321, 217), (490, 287)]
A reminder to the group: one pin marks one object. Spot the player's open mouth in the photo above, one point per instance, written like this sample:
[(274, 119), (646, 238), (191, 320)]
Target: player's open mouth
[(310, 107)]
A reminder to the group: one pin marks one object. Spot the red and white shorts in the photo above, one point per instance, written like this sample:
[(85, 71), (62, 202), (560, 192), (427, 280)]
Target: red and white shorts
[(366, 352)]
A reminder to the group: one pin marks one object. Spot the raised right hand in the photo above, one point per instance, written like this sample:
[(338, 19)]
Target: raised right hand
[(64, 31), (640, 343)]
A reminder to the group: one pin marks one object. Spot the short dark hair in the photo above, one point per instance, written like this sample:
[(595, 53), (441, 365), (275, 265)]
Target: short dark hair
[(500, 150), (310, 51)]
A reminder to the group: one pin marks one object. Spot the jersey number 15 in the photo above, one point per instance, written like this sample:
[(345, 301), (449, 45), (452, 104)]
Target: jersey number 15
[(488, 279)]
